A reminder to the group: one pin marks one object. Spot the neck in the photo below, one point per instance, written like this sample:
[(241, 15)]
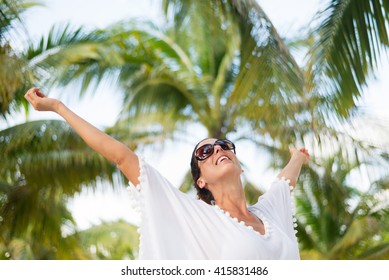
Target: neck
[(230, 197)]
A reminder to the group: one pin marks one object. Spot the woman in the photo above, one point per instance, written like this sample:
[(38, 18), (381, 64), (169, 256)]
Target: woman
[(217, 226)]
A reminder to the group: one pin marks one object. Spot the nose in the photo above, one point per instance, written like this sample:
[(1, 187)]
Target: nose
[(217, 149)]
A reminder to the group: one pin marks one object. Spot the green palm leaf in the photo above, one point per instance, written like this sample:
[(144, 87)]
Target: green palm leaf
[(50, 152), (379, 252), (351, 39), (111, 240), (45, 162), (335, 220), (15, 76)]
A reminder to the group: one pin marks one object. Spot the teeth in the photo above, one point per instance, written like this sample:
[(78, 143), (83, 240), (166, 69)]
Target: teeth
[(221, 159)]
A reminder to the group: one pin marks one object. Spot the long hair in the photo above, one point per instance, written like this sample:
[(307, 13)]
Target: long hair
[(202, 193)]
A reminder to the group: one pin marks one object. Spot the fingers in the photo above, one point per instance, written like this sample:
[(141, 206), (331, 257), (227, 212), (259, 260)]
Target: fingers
[(306, 154), (305, 151), (39, 93), (29, 94), (300, 153), (32, 92), (33, 95)]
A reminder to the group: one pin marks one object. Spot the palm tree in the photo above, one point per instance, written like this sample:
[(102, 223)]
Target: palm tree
[(44, 163), (171, 79), (235, 76), (111, 240), (349, 46), (15, 76), (337, 220)]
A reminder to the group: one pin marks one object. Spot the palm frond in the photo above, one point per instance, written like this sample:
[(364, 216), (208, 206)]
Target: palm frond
[(45, 162), (378, 252), (32, 225), (352, 37), (265, 55), (11, 15), (359, 230), (111, 240), (15, 77), (51, 153), (14, 80)]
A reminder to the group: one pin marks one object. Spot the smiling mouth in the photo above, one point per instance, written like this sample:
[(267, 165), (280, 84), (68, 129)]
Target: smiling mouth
[(222, 158)]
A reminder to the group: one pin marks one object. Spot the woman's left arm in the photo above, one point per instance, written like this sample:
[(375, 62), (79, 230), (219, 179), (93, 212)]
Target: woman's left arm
[(292, 170)]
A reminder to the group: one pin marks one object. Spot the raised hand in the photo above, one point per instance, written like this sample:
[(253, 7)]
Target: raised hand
[(300, 154), (40, 102), (102, 143)]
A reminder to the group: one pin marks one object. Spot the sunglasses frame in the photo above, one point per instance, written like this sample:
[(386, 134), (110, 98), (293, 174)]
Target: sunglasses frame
[(225, 144)]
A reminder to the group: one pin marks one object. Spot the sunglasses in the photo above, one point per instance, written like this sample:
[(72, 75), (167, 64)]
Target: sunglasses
[(205, 151)]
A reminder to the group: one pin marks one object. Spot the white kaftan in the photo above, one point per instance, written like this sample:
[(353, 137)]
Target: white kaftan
[(177, 226)]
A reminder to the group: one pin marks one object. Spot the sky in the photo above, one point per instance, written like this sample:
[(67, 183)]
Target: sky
[(101, 108)]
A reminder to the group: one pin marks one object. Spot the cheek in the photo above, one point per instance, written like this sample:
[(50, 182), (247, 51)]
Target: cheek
[(233, 157), (205, 168)]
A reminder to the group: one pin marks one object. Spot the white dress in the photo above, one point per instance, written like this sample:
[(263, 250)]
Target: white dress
[(177, 226)]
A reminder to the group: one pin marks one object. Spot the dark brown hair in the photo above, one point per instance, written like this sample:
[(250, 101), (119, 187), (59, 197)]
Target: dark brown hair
[(202, 193)]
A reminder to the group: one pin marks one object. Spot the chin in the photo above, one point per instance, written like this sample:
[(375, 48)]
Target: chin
[(230, 167)]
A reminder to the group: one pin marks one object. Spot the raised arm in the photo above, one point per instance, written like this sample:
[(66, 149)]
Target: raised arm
[(108, 147), (292, 170)]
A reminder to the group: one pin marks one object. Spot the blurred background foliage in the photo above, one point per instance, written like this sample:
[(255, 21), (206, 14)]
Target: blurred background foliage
[(219, 64)]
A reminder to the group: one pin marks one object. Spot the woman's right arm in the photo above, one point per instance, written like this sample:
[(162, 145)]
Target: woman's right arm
[(108, 147)]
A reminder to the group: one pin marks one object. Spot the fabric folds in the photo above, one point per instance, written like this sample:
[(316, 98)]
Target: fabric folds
[(175, 225)]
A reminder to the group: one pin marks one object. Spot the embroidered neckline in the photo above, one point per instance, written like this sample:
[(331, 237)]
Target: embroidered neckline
[(262, 217), (266, 224)]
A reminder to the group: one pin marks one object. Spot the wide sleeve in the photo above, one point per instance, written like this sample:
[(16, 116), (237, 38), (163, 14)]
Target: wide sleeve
[(278, 205), (173, 224)]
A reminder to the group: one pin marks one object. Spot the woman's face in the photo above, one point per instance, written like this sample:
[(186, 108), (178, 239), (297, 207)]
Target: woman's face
[(219, 165)]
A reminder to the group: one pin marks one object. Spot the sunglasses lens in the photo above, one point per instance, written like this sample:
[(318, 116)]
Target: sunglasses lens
[(225, 144), (204, 151)]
